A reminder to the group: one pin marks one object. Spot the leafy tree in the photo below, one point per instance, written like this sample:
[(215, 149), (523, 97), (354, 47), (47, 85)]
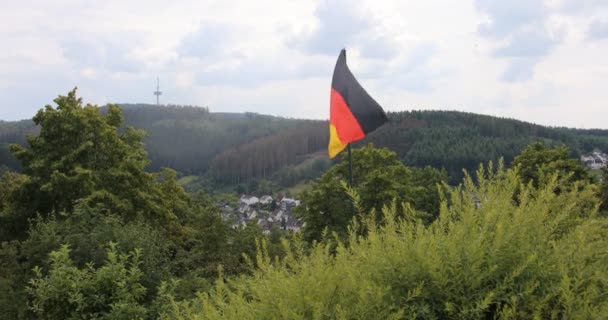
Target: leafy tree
[(379, 179), (204, 241), (112, 291), (80, 157), (538, 162)]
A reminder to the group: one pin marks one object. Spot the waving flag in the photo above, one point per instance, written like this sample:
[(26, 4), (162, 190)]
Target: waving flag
[(352, 112)]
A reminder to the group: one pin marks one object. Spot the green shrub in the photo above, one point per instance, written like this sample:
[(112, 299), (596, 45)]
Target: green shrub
[(112, 291), (87, 232), (499, 249)]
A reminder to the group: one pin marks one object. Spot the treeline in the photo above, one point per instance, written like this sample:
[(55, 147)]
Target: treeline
[(456, 140), (13, 132), (188, 139), (185, 138), (241, 148), (264, 156)]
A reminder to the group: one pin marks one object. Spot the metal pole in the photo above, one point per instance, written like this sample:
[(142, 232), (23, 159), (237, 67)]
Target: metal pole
[(350, 177), (350, 167)]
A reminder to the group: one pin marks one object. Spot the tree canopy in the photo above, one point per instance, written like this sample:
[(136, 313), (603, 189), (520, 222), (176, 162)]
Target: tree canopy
[(82, 157), (538, 162), (379, 179)]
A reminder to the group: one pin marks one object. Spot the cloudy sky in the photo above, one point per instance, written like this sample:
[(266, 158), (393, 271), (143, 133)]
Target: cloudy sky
[(544, 61)]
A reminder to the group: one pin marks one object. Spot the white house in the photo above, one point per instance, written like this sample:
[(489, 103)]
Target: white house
[(252, 215), (278, 215), (595, 160), (249, 200), (266, 200)]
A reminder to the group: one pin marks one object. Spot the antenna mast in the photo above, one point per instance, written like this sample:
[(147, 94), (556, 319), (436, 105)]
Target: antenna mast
[(157, 93)]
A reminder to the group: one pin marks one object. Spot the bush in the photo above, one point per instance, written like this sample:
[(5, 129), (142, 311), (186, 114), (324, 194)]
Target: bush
[(87, 232), (499, 249), (112, 291)]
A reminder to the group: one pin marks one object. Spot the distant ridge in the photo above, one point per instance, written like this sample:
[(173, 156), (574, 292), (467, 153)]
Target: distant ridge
[(239, 147)]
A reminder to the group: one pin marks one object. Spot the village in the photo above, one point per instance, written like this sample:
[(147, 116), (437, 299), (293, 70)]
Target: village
[(265, 211)]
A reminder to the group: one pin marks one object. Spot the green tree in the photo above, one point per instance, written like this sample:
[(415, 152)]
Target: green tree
[(379, 179), (112, 291), (539, 162), (83, 157)]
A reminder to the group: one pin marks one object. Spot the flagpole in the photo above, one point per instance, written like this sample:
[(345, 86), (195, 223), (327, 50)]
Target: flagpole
[(350, 167)]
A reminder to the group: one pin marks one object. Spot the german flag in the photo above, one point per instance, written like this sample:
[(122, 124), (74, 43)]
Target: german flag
[(352, 112)]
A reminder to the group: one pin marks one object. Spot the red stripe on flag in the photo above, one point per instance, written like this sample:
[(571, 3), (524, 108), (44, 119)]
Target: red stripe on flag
[(342, 118)]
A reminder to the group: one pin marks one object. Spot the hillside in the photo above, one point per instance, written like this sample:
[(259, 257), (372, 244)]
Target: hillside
[(189, 139), (455, 140), (232, 148)]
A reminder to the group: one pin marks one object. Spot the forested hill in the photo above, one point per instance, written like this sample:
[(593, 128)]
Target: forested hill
[(456, 140), (193, 140), (239, 147)]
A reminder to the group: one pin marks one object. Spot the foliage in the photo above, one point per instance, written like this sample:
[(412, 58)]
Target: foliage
[(603, 190), (10, 223), (9, 183), (456, 140), (507, 245), (265, 156), (83, 185), (12, 276), (112, 291), (538, 163), (87, 232), (541, 257), (7, 161), (379, 178), (81, 158), (193, 140)]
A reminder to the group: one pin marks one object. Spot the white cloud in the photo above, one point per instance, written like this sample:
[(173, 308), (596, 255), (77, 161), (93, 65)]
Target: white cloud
[(276, 57), (598, 30)]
